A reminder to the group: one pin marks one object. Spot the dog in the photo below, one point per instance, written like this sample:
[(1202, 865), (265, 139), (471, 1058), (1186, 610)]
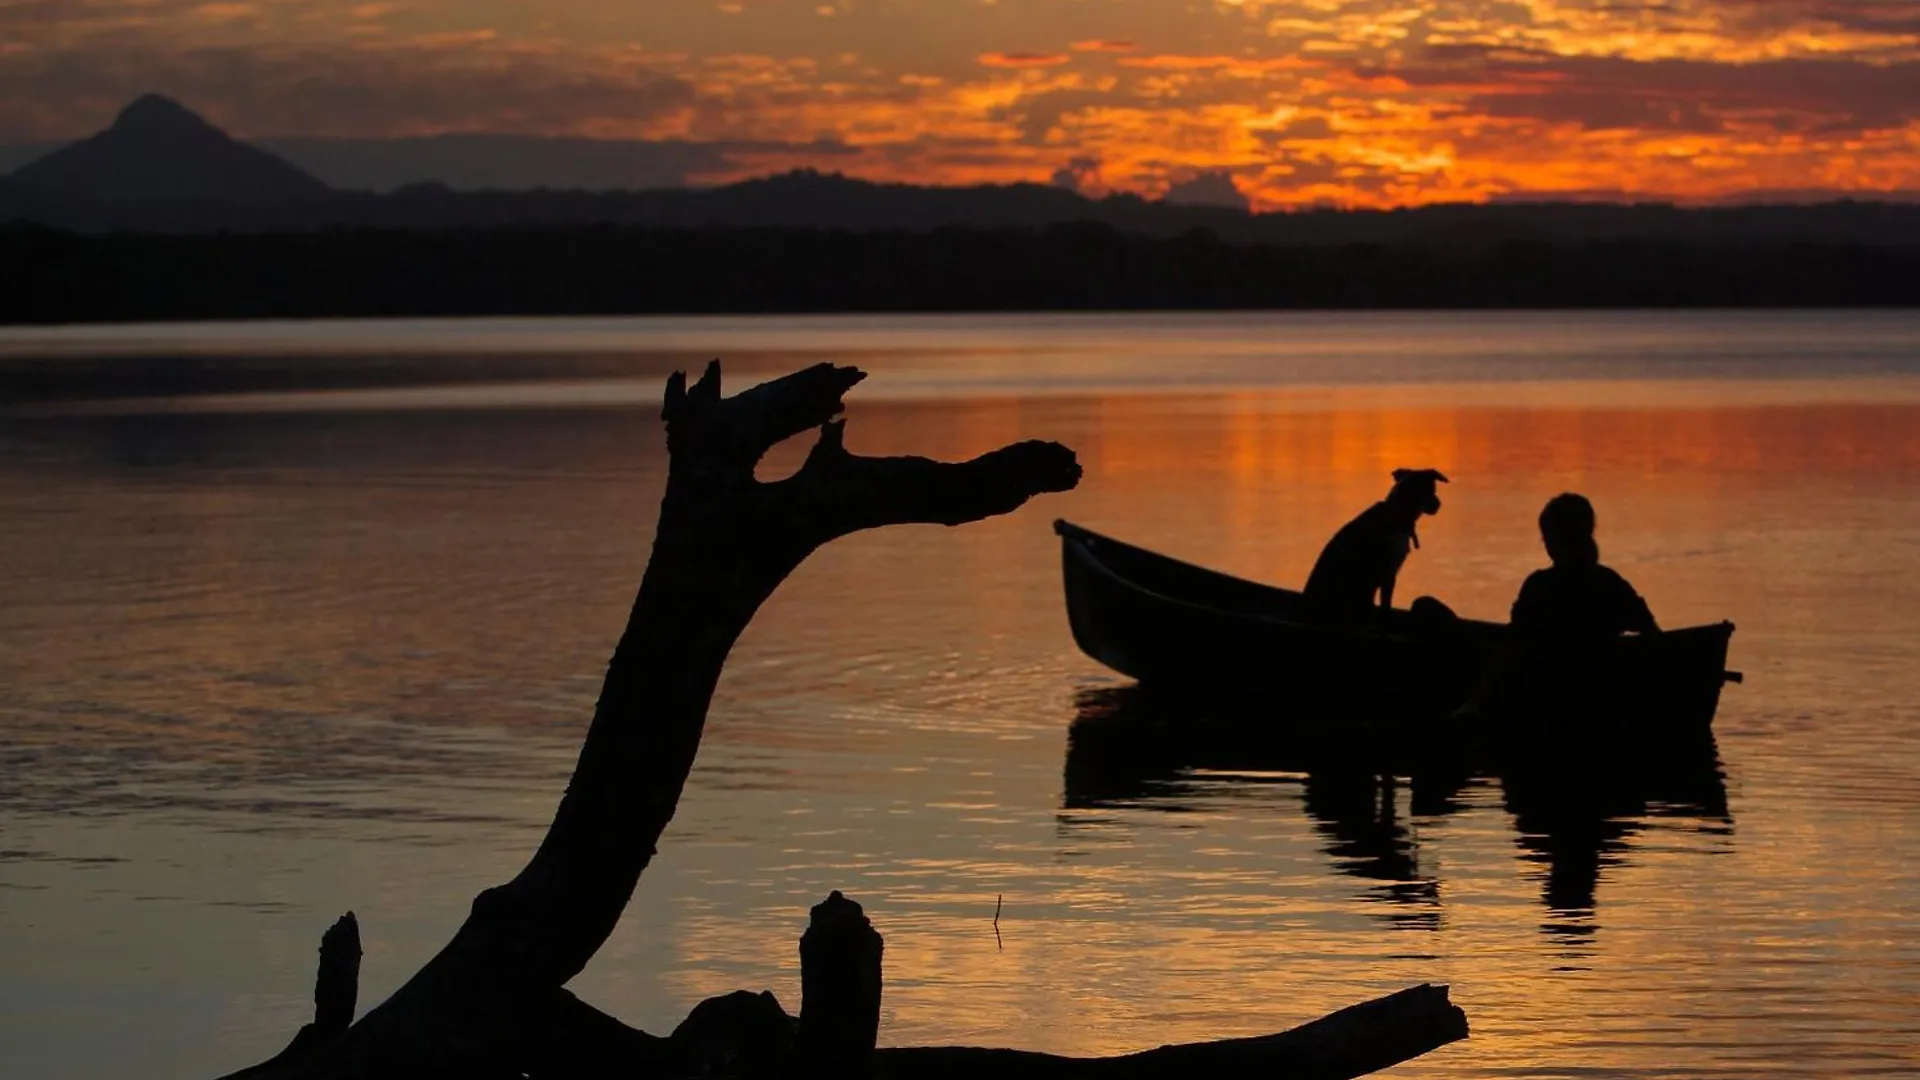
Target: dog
[(1360, 565)]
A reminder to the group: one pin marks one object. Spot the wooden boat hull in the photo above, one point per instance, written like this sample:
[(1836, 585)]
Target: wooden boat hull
[(1173, 625)]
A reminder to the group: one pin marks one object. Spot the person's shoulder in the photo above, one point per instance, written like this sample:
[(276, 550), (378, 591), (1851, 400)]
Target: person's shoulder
[(1611, 576), (1614, 580), (1542, 576), (1541, 579)]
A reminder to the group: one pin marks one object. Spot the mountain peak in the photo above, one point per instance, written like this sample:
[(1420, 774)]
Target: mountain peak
[(158, 150), (158, 112)]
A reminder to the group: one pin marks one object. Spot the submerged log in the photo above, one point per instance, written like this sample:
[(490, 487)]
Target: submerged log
[(1355, 1041), (749, 1037)]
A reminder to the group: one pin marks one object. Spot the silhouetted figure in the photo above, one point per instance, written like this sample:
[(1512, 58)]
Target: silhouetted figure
[(1359, 566), (1561, 609), (1577, 597)]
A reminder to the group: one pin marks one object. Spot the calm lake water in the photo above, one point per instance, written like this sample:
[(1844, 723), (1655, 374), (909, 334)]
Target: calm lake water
[(267, 657)]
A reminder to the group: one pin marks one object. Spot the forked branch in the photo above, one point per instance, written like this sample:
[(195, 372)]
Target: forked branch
[(493, 1003), (725, 541)]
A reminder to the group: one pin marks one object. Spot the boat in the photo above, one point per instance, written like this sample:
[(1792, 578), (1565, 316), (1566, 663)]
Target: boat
[(1180, 628)]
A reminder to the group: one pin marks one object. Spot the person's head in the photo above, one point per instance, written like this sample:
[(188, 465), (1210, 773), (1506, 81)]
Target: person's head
[(1566, 527), (1414, 490)]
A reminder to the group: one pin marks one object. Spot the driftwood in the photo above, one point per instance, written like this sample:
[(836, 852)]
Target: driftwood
[(492, 1003), (335, 991), (1353, 1042), (839, 992), (750, 1037)]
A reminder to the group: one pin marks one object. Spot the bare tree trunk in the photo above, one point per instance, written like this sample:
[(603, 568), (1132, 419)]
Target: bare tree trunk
[(485, 1004)]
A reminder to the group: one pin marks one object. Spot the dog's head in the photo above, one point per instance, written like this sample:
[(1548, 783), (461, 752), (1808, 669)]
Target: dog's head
[(1417, 488)]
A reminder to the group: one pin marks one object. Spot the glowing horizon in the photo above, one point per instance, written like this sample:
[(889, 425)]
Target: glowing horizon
[(1343, 102)]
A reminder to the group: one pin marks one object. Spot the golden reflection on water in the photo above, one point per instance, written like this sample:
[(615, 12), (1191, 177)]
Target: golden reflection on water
[(274, 667)]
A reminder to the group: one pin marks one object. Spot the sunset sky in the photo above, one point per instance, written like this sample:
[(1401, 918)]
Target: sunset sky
[(1353, 102)]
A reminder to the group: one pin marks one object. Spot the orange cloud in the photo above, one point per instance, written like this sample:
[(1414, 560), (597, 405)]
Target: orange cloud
[(1022, 59), (1232, 64)]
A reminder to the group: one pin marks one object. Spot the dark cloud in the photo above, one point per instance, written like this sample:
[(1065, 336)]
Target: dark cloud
[(1039, 114), (1309, 127), (1682, 95), (1304, 171), (1023, 59), (372, 90), (1890, 17), (1207, 189), (1877, 16), (1740, 197), (1078, 174)]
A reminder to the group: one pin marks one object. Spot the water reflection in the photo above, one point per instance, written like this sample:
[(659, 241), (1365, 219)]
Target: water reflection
[(1578, 818), (1358, 816), (1581, 823)]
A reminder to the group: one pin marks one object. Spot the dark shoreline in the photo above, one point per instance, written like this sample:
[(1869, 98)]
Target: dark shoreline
[(50, 276), (47, 380)]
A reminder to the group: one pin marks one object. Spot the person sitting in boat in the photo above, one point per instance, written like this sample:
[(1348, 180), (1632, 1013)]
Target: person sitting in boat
[(1577, 597), (1359, 566), (1573, 602)]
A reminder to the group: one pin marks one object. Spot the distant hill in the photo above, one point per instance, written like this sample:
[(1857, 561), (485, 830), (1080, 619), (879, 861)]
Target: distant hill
[(483, 162), (811, 200), (15, 155), (157, 152)]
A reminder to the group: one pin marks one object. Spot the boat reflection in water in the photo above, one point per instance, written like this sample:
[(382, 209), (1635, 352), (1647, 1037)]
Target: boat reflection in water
[(1580, 821), (1575, 813)]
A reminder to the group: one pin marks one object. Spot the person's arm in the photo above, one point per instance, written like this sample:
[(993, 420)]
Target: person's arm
[(1386, 591), (1643, 621), (1635, 615), (1506, 656), (1525, 603)]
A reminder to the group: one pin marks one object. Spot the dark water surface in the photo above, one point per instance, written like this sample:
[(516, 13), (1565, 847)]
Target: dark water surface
[(265, 658)]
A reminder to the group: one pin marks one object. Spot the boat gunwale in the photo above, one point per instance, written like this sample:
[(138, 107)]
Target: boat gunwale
[(1079, 536)]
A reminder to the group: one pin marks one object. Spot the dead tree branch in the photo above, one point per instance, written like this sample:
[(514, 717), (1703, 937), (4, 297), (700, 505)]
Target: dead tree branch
[(725, 541), (492, 1003), (335, 990)]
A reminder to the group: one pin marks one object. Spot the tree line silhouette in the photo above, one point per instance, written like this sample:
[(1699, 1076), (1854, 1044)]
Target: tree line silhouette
[(49, 275)]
